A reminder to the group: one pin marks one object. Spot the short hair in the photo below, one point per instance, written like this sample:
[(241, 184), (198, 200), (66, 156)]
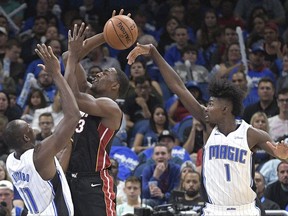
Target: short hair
[(13, 135), (142, 79), (46, 114), (189, 48), (159, 144), (282, 162), (123, 82), (282, 91), (133, 179), (225, 89), (266, 79)]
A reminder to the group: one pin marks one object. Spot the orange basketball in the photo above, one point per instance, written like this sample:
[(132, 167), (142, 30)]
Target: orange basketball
[(120, 32)]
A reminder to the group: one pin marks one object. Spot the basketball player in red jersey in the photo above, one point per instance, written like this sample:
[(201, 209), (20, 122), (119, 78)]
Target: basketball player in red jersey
[(91, 184)]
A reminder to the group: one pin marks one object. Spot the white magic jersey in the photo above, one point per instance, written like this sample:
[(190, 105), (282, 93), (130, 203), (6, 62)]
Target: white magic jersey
[(40, 197), (227, 168)]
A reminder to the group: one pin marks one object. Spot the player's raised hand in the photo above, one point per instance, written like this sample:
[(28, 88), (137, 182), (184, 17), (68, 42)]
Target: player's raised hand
[(76, 40), (139, 50), (120, 13), (281, 150), (51, 62)]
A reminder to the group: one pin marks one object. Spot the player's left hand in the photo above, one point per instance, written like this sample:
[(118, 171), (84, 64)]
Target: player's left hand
[(139, 50), (51, 62), (120, 13), (281, 150)]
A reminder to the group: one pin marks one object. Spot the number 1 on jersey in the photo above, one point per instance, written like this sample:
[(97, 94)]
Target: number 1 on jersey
[(228, 174)]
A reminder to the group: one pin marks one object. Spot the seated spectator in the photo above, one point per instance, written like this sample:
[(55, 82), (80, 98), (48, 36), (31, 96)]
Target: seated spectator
[(178, 153), (177, 112), (278, 123), (282, 80), (269, 171), (132, 190), (190, 185), (46, 123), (7, 195), (147, 136), (187, 69), (137, 69), (259, 120), (278, 191), (267, 103), (4, 149), (239, 78), (139, 105), (55, 109), (266, 204), (120, 197), (35, 100), (159, 179), (3, 38), (11, 113)]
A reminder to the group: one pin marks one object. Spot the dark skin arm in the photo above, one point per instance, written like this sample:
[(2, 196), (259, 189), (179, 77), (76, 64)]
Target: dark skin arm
[(171, 78), (88, 45), (44, 153), (102, 107)]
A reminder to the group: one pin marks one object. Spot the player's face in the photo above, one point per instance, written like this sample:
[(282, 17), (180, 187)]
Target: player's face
[(104, 81), (27, 134), (283, 174), (132, 190), (214, 110)]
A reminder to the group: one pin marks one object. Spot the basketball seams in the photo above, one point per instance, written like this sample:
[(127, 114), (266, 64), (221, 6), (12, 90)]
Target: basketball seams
[(116, 32)]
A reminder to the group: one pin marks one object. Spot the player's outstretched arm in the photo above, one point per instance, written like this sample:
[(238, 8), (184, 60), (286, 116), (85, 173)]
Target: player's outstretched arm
[(263, 140), (44, 153), (171, 78)]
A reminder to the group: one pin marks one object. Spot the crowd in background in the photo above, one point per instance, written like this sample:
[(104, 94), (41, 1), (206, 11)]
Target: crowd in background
[(200, 39)]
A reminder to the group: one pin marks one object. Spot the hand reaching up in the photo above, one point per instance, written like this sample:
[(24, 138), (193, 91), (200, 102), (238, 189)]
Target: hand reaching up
[(51, 62)]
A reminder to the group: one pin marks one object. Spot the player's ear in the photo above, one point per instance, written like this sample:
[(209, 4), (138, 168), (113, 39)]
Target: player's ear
[(115, 86), (26, 138)]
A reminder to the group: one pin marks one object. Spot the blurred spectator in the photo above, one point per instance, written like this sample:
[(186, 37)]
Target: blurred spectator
[(57, 50), (35, 100), (269, 171), (278, 124), (282, 80), (9, 6), (161, 178), (7, 195), (54, 108), (132, 190), (37, 37), (266, 203), (173, 54), (98, 57), (267, 103), (137, 69), (187, 69), (147, 136), (120, 197), (4, 149), (273, 8), (226, 16), (11, 113), (240, 79), (167, 34), (190, 185), (194, 12), (273, 47), (257, 68), (259, 120), (92, 71), (139, 105), (230, 63), (12, 64), (3, 41), (46, 123), (278, 191), (255, 29)]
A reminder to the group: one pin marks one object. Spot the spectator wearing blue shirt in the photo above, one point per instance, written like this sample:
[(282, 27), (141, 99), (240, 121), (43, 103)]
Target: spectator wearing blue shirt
[(159, 179)]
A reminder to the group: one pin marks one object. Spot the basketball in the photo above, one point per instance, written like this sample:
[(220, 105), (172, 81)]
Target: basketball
[(120, 32)]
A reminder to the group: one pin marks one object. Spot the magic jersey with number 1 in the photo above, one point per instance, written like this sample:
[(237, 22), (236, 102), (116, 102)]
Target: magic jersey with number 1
[(227, 168)]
